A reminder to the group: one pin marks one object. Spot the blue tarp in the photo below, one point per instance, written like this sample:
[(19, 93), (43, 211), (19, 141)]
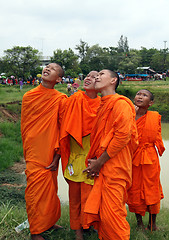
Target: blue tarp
[(136, 75)]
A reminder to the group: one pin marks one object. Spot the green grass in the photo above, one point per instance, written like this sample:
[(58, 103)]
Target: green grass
[(13, 215), (13, 93), (12, 185), (160, 89), (10, 144), (162, 223)]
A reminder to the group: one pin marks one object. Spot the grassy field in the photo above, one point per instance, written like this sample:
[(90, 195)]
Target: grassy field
[(12, 178), (11, 215), (160, 89), (13, 212)]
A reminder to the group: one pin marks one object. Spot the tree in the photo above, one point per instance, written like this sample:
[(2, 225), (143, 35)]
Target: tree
[(147, 56), (21, 61), (113, 58), (123, 45), (82, 49), (130, 62), (160, 61), (96, 58), (68, 60)]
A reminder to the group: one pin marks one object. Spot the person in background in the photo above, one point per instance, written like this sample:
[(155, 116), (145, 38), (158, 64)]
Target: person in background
[(21, 83), (146, 191)]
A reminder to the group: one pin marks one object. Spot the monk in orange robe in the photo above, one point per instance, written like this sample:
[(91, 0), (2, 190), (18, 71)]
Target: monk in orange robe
[(42, 111), (146, 191), (113, 139), (76, 127)]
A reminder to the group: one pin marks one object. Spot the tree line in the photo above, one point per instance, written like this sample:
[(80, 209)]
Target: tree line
[(26, 61)]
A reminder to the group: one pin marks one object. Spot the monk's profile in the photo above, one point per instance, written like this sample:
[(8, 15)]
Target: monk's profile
[(41, 115), (113, 140)]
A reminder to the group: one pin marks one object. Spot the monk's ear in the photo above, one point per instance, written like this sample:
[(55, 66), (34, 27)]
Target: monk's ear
[(59, 79), (113, 80), (151, 103)]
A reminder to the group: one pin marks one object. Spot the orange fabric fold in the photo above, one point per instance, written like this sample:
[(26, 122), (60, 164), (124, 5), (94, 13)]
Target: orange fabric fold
[(146, 187), (42, 111), (114, 131), (78, 194), (78, 121)]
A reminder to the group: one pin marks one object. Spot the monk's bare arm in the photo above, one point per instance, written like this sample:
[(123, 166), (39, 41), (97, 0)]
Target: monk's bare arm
[(55, 163), (94, 165)]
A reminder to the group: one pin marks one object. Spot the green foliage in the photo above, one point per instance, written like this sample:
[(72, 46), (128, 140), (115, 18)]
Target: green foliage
[(160, 89), (68, 60), (26, 61), (21, 61), (12, 215), (162, 223), (123, 44), (14, 107), (82, 49), (10, 144)]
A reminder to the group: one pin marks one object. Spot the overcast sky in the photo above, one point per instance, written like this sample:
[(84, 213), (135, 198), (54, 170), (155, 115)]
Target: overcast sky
[(52, 24)]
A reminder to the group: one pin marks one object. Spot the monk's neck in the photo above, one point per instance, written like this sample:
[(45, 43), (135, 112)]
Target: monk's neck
[(141, 112), (48, 85), (91, 94), (106, 92)]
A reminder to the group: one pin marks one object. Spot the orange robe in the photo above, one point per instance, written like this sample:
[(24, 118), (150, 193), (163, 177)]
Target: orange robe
[(42, 110), (78, 121), (115, 132), (146, 191)]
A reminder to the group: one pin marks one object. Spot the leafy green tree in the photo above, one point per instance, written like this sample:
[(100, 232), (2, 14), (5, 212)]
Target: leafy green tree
[(82, 49), (147, 56), (113, 58), (130, 62), (160, 61), (68, 60), (96, 58), (122, 45), (21, 61)]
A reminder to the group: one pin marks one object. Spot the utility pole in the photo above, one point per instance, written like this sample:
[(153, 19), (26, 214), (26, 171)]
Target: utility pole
[(165, 44), (165, 51)]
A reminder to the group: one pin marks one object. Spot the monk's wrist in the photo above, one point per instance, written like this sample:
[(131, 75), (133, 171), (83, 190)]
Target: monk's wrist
[(103, 158)]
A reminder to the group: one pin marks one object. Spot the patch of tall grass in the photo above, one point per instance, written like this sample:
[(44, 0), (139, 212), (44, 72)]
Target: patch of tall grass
[(10, 144), (12, 215)]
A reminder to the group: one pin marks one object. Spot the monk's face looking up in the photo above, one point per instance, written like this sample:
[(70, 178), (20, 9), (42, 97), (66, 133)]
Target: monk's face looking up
[(143, 99), (51, 73), (89, 81), (104, 80)]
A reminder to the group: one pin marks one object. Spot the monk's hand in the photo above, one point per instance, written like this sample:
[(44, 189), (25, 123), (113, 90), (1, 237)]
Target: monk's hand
[(55, 163), (93, 168), (94, 165), (136, 108)]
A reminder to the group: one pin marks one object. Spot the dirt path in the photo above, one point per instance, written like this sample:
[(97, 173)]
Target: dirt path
[(8, 115)]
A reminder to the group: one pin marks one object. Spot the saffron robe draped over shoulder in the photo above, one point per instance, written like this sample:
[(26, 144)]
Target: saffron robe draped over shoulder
[(115, 132), (78, 121), (146, 188), (42, 111), (76, 127)]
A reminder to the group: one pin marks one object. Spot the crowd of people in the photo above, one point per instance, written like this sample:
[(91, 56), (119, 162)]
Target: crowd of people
[(15, 81), (107, 146)]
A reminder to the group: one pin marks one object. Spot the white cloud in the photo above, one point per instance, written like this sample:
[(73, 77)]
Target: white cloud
[(48, 25)]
